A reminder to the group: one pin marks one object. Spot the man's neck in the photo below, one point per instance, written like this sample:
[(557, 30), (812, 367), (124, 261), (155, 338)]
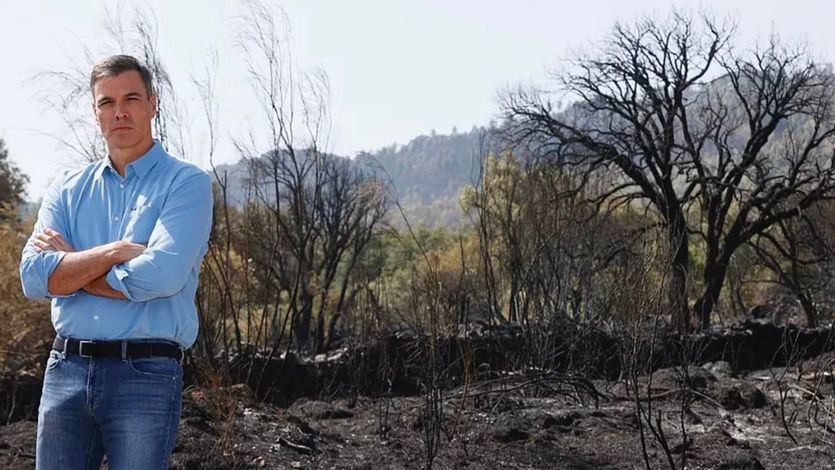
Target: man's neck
[(122, 157)]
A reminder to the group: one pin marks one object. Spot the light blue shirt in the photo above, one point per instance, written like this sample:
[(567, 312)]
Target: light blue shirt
[(163, 203)]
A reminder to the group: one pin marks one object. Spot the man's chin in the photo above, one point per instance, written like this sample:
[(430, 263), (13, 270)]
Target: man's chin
[(119, 142), (129, 147)]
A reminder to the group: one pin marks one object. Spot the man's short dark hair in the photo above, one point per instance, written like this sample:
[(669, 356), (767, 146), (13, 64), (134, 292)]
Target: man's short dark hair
[(117, 64)]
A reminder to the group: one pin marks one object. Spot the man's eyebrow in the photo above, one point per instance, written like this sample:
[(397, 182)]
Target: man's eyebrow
[(133, 94)]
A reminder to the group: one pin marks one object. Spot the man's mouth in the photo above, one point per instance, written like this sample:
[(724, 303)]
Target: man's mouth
[(121, 128)]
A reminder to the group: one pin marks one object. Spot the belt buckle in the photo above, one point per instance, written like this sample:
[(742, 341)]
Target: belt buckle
[(81, 349)]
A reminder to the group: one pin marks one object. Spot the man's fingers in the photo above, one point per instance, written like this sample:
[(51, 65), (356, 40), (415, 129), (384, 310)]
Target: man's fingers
[(55, 235), (45, 241), (54, 239), (52, 235), (62, 245), (41, 245), (44, 238), (50, 240)]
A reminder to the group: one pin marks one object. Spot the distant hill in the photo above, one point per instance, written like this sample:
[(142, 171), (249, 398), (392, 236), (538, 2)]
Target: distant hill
[(428, 173), (429, 166)]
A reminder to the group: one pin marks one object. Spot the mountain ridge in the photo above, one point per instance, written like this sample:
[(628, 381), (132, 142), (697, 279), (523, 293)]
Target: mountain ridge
[(427, 174)]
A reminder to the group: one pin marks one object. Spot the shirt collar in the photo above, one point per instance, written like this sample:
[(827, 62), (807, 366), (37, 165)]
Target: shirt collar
[(141, 166), (104, 164)]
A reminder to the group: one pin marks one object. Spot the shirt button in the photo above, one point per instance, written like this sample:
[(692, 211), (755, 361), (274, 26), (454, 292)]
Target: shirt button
[(96, 317), (116, 218), (121, 185)]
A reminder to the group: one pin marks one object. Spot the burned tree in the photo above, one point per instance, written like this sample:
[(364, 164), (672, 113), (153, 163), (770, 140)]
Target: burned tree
[(798, 253), (789, 255), (713, 141), (311, 214)]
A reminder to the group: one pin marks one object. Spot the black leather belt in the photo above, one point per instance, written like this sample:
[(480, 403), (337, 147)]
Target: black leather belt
[(131, 349)]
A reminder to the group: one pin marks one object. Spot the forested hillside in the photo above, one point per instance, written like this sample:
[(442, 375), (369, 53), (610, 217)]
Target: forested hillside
[(427, 173), (430, 166)]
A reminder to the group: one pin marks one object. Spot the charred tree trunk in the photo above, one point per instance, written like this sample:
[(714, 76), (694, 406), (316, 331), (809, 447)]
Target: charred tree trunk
[(301, 325), (680, 269), (714, 279), (809, 309)]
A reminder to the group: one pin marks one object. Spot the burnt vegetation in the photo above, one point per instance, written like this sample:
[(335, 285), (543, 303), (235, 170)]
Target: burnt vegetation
[(642, 277)]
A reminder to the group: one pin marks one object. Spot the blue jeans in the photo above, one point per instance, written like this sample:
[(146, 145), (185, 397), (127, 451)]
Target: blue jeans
[(127, 409)]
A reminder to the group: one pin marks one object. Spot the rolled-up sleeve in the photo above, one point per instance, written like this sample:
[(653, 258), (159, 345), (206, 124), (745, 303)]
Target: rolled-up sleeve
[(36, 267), (176, 246)]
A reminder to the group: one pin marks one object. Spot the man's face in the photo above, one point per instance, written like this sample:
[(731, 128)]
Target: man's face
[(124, 110)]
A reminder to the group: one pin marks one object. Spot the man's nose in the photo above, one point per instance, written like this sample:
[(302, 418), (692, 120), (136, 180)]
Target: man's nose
[(121, 112)]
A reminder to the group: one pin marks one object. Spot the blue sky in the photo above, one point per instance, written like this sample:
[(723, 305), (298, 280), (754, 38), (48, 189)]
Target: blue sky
[(397, 69)]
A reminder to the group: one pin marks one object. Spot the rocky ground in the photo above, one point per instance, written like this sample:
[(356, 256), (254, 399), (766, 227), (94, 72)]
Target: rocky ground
[(765, 419)]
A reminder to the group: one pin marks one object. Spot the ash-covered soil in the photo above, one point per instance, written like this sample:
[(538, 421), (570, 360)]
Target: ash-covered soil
[(766, 419)]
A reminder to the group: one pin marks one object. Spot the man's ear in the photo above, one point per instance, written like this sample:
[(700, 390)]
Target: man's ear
[(154, 105)]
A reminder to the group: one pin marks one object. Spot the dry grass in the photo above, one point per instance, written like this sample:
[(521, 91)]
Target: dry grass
[(25, 329)]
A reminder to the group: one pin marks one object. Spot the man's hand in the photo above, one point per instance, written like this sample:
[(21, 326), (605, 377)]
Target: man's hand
[(85, 269), (50, 240), (118, 251), (123, 250), (101, 288)]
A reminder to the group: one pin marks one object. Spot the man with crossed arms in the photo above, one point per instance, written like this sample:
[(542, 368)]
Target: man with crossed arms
[(117, 247)]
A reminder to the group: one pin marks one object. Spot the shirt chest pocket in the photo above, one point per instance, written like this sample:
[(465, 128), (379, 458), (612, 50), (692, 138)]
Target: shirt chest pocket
[(139, 223)]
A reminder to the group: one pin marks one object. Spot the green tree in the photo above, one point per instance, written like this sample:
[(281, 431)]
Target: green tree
[(12, 180)]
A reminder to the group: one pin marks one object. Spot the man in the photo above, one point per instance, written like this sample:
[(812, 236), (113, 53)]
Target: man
[(117, 247)]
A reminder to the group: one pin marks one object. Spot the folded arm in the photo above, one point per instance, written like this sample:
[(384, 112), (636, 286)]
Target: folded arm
[(83, 269), (50, 267), (101, 288), (38, 264), (175, 247)]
